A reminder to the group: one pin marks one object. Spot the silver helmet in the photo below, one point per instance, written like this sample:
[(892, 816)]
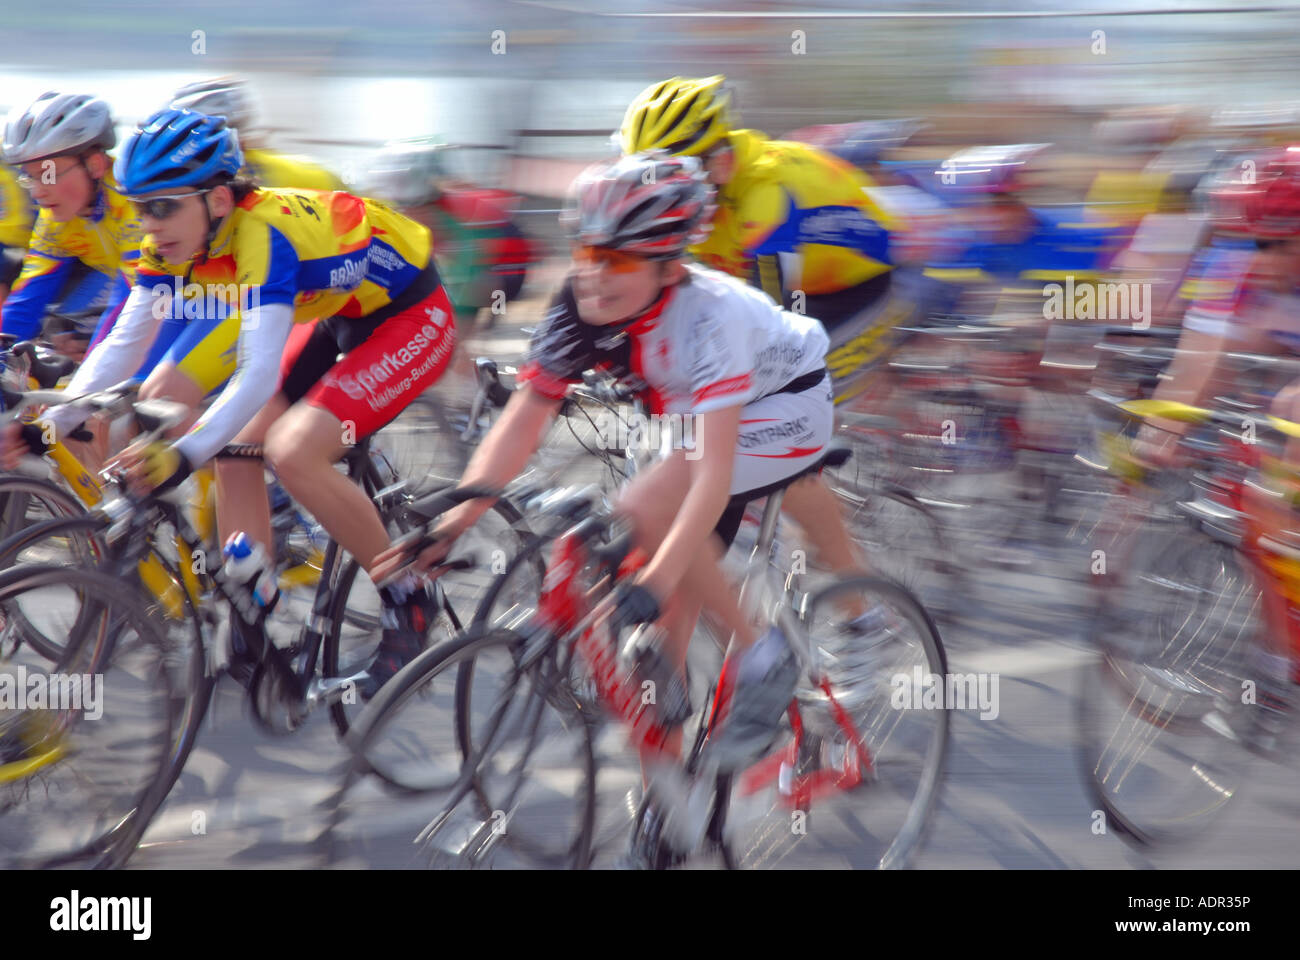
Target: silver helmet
[(227, 97), (56, 123)]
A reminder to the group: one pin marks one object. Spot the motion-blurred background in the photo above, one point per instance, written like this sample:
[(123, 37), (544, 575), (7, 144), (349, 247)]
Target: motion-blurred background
[(336, 80)]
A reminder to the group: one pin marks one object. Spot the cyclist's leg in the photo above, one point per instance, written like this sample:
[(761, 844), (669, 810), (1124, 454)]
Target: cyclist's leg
[(400, 353), (242, 503), (402, 356)]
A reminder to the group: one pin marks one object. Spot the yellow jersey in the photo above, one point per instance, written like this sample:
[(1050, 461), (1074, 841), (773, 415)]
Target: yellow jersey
[(326, 253), (281, 170), (790, 198), (16, 210), (108, 240)]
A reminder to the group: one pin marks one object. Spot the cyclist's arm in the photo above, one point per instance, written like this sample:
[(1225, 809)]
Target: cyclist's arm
[(1195, 368), (503, 453), (761, 212), (117, 357), (263, 333), (37, 287), (706, 498)]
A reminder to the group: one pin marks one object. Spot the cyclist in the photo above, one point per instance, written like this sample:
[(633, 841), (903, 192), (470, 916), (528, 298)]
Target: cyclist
[(800, 225), (296, 256), (1240, 292), (229, 97), (478, 249), (1249, 301), (693, 341), (16, 218), (59, 144)]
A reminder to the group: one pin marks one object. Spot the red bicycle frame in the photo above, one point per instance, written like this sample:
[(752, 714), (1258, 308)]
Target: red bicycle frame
[(563, 607)]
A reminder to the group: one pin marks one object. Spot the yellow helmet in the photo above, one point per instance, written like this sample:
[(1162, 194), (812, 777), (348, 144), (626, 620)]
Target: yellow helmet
[(681, 115)]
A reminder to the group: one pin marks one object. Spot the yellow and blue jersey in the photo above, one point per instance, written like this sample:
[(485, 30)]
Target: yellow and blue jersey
[(108, 240), (16, 211), (324, 253), (791, 198), (271, 169)]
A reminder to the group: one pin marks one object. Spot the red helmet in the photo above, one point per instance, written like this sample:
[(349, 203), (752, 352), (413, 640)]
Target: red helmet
[(1272, 206)]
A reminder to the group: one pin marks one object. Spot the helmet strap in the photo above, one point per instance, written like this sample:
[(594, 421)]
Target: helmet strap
[(213, 228), (96, 183)]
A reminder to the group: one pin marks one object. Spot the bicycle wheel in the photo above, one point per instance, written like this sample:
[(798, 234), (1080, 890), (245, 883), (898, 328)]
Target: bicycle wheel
[(583, 446), (903, 540), (25, 501), (1161, 711), (75, 541), (494, 542), (423, 445), (535, 756), (853, 800), (81, 770), (78, 542)]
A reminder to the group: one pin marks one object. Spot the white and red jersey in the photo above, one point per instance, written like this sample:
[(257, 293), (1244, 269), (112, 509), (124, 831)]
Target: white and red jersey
[(1228, 299), (711, 342)]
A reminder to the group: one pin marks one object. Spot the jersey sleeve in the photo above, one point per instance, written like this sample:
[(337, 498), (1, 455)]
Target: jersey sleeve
[(262, 337), (721, 373), (44, 269), (1216, 290), (114, 359), (559, 351), (265, 259)]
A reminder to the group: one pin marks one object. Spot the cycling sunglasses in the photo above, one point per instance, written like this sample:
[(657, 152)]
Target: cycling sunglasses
[(28, 182), (616, 261), (160, 208)]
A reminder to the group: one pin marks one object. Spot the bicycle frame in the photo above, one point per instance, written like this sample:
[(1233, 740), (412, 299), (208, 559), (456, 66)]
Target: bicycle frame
[(558, 616)]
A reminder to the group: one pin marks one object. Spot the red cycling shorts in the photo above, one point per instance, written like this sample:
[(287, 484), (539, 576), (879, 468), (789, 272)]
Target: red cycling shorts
[(390, 358)]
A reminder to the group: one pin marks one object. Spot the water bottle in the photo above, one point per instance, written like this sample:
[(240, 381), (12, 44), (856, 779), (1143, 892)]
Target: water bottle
[(248, 568)]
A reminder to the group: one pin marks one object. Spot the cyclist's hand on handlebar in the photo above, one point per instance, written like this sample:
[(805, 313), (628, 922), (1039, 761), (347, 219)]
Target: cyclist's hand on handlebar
[(152, 467), (399, 556), (634, 604), (17, 440)]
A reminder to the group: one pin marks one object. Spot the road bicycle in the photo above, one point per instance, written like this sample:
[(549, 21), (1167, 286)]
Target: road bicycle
[(1195, 670), (546, 683)]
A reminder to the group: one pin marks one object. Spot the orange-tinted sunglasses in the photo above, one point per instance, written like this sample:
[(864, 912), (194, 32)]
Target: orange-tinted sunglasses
[(613, 260)]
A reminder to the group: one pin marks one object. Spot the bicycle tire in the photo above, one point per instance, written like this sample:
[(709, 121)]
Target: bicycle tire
[(738, 849), (83, 529), (97, 650), (16, 495), (197, 686), (453, 775), (1158, 719)]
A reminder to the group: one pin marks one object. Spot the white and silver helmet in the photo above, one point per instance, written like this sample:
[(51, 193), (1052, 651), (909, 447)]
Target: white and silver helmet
[(56, 123), (649, 204), (405, 173), (227, 97)]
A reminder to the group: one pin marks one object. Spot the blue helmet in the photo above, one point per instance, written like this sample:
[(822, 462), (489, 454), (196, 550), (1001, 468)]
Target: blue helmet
[(177, 148)]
